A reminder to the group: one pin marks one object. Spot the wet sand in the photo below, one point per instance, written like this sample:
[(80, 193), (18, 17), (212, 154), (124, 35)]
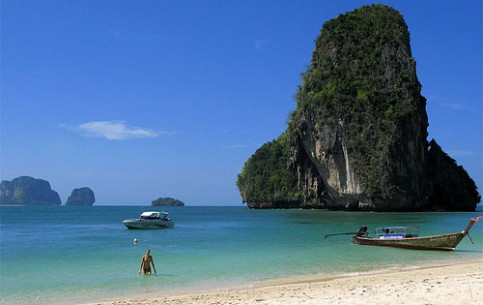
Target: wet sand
[(458, 283)]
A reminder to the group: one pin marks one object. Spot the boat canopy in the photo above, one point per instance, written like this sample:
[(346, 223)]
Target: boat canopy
[(397, 232), (398, 228), (152, 214)]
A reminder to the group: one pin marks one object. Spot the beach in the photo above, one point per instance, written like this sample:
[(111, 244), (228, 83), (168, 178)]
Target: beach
[(228, 255), (455, 283)]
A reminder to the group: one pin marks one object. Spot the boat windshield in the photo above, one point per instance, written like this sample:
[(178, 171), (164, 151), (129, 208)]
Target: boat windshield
[(154, 215)]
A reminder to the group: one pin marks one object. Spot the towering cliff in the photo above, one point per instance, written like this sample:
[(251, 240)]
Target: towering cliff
[(358, 137)]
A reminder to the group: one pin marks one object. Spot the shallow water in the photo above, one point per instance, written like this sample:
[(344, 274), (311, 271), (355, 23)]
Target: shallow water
[(68, 255)]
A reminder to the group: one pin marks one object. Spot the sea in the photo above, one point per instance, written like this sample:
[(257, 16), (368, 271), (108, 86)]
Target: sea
[(76, 255)]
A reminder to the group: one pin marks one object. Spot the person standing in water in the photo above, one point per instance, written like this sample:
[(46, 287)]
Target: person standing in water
[(146, 262)]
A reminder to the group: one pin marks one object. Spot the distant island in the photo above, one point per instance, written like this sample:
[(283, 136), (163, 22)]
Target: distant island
[(167, 202), (26, 190), (81, 196)]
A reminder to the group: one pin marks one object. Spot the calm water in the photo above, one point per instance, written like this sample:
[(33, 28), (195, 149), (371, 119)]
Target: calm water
[(67, 255)]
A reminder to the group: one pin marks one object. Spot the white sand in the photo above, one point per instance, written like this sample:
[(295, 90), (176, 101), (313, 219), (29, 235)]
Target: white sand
[(458, 283)]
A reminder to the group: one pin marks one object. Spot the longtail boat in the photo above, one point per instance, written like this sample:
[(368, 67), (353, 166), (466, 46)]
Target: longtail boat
[(408, 238)]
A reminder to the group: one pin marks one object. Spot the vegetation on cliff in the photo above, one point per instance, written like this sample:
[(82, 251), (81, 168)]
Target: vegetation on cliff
[(358, 136), (266, 179), (362, 77), (449, 194), (167, 201)]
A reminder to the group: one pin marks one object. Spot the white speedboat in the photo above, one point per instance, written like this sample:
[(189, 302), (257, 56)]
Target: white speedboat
[(150, 220)]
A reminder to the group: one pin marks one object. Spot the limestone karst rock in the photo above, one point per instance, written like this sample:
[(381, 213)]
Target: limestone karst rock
[(357, 139), (26, 190), (81, 196), (167, 201)]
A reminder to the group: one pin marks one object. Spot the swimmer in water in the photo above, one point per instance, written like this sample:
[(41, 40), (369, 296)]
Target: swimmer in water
[(146, 262)]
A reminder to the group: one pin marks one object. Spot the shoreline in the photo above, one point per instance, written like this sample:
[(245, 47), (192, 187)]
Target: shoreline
[(449, 282)]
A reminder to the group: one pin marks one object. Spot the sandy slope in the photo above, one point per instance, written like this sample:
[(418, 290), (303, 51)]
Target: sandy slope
[(460, 283)]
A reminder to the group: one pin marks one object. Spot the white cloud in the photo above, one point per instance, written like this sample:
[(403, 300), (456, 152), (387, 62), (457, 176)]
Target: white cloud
[(259, 44), (462, 153), (115, 130), (112, 33), (449, 103), (456, 106)]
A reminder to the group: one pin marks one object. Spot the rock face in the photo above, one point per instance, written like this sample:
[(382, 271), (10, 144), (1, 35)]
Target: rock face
[(357, 139), (451, 187), (81, 196), (359, 136), (28, 191), (265, 181)]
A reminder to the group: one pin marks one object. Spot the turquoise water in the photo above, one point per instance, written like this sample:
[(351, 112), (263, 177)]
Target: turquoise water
[(69, 255)]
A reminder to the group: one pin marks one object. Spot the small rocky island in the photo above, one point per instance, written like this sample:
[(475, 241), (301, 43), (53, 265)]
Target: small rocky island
[(82, 196), (27, 190), (167, 202), (357, 139)]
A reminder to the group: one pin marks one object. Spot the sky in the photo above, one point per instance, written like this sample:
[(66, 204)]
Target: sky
[(140, 99)]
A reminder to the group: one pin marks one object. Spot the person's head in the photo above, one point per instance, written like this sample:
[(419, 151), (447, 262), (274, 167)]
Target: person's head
[(148, 251)]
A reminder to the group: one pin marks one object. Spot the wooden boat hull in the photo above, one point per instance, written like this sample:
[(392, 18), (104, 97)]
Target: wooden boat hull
[(445, 242)]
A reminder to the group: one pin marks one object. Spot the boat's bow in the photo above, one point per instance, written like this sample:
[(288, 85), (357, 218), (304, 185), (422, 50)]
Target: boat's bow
[(444, 242), (470, 225)]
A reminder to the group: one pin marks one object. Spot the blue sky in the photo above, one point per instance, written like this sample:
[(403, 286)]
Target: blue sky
[(145, 99)]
